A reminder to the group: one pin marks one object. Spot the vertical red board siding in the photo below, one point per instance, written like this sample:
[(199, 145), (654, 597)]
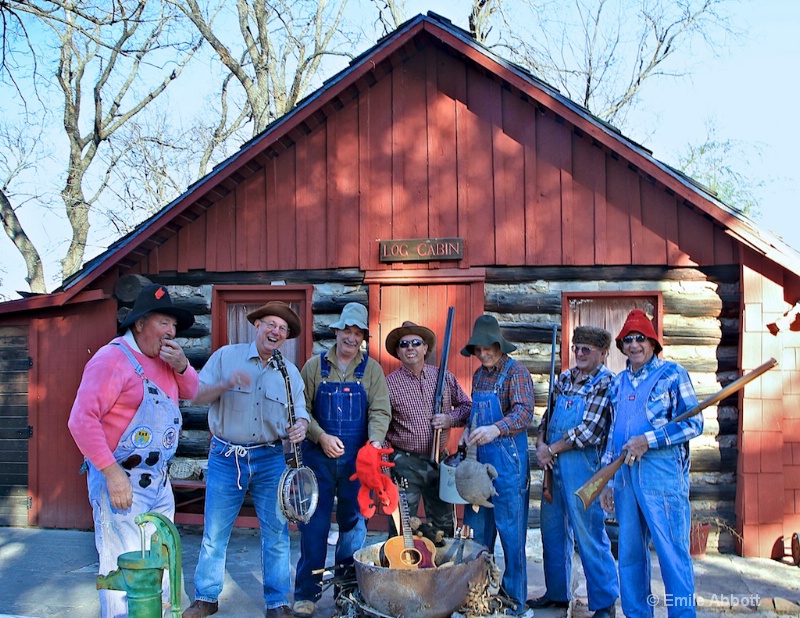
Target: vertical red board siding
[(375, 138), (271, 207), (724, 247), (63, 347), (194, 247), (168, 254), (286, 208), (251, 251), (343, 190), (547, 208), (634, 202), (409, 149), (588, 183), (653, 234), (696, 235), (441, 134), (618, 215), (676, 256), (311, 199), (476, 151), (221, 234), (509, 159)]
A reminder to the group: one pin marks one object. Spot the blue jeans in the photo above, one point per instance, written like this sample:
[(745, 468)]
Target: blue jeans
[(259, 472), (509, 517), (652, 501), (565, 520), (333, 477)]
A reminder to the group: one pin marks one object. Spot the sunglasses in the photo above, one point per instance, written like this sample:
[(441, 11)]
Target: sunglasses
[(582, 349), (632, 338), (413, 342)]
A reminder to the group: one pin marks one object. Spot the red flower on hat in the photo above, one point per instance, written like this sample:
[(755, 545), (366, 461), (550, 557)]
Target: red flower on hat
[(159, 293)]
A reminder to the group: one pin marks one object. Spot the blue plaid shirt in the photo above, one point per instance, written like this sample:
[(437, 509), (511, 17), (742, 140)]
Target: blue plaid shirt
[(681, 397)]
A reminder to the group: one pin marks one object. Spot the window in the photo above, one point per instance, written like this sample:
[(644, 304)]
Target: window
[(231, 304), (607, 310)]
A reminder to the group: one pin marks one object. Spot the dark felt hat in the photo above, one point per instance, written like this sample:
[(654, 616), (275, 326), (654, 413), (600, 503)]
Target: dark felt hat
[(409, 328), (485, 333), (155, 298), (281, 310)]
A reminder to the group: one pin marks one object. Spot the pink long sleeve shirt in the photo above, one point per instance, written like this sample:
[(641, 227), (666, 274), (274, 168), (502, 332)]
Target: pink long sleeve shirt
[(110, 393)]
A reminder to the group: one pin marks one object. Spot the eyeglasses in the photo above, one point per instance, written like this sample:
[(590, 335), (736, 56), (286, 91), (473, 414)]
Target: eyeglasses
[(413, 342), (582, 349), (283, 330), (631, 338)]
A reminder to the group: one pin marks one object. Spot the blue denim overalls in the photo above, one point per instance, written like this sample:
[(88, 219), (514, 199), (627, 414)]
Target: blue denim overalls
[(651, 500), (144, 450), (509, 517), (340, 408), (565, 519)]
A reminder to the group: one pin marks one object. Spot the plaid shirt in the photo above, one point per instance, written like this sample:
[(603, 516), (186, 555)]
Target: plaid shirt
[(516, 397), (412, 408), (675, 395), (592, 430)]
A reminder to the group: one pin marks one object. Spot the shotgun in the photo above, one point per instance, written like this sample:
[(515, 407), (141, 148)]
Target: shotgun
[(592, 488), (438, 397), (547, 479)]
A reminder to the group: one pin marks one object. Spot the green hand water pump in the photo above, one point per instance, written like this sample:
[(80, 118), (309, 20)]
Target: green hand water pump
[(140, 573)]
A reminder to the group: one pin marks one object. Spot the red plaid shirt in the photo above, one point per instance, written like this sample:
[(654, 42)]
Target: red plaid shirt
[(412, 408)]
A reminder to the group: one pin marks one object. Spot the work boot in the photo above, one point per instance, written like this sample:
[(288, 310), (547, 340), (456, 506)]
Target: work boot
[(606, 612), (304, 608), (279, 612), (543, 602), (201, 609)]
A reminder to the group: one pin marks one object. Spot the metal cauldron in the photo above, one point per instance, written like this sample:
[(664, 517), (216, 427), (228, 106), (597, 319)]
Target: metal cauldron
[(422, 593)]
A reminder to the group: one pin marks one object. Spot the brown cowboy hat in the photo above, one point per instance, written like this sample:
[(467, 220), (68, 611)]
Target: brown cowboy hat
[(281, 310), (409, 328), (155, 298)]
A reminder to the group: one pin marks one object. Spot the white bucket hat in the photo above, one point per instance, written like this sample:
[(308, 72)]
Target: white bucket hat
[(353, 314)]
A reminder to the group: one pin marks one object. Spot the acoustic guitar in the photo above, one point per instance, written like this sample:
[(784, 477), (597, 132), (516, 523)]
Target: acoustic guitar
[(407, 551)]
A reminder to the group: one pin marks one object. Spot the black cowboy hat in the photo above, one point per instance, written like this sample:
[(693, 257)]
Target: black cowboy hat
[(155, 298)]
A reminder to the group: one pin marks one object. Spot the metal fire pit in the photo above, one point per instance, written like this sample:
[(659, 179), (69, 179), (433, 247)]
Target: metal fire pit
[(421, 593)]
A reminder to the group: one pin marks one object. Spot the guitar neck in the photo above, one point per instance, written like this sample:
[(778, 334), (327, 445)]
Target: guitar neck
[(405, 521)]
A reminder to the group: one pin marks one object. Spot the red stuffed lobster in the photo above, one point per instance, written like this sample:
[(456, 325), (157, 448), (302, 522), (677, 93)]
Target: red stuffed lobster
[(376, 487)]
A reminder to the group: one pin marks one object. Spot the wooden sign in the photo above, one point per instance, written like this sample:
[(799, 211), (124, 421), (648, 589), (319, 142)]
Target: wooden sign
[(421, 249)]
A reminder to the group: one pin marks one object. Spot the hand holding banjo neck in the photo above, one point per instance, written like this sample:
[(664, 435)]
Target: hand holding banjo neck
[(298, 488)]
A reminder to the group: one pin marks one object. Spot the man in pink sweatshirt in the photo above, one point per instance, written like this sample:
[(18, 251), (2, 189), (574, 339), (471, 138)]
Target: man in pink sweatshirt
[(126, 420)]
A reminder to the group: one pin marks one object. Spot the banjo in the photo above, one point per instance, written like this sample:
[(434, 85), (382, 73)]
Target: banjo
[(298, 491)]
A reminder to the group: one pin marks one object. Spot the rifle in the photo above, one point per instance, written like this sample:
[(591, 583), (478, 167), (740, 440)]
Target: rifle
[(547, 479), (592, 488), (438, 397)]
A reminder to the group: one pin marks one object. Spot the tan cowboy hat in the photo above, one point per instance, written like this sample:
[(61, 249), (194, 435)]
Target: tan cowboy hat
[(409, 328), (281, 310), (485, 333)]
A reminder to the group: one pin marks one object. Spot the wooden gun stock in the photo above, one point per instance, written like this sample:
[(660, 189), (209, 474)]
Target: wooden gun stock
[(592, 488)]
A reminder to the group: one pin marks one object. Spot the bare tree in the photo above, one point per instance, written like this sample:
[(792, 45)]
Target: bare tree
[(123, 55), (391, 13), (278, 49), (480, 18), (599, 53)]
